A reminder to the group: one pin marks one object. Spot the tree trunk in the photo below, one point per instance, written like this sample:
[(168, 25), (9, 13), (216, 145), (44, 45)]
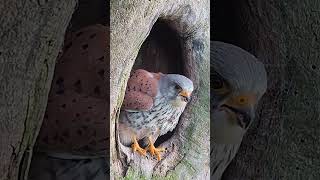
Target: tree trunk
[(31, 34), (188, 147), (283, 143)]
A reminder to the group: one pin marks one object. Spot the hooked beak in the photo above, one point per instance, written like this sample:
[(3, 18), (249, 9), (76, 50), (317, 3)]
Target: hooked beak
[(244, 116), (186, 95), (241, 108)]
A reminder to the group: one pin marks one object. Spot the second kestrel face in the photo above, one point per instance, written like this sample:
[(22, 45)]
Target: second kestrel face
[(238, 80)]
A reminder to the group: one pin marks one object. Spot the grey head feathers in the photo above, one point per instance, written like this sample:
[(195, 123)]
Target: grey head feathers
[(168, 83), (241, 69)]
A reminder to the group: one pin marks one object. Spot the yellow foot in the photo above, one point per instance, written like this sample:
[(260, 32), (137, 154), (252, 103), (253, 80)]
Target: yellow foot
[(136, 147), (153, 150)]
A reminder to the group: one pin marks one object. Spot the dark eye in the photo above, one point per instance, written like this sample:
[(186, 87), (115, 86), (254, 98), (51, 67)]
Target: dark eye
[(177, 87), (217, 82)]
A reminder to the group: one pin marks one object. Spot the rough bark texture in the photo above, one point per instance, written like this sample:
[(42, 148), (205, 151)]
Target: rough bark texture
[(31, 34), (188, 148), (283, 143)]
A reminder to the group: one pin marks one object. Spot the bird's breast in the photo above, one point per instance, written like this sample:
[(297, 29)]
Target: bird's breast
[(162, 115)]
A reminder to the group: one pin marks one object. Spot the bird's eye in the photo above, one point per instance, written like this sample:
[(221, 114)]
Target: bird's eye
[(177, 87)]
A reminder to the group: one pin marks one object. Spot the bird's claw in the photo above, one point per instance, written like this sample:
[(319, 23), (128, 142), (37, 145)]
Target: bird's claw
[(136, 147), (155, 151)]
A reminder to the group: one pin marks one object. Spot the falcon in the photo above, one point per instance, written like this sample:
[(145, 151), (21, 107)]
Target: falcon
[(238, 81), (152, 106), (75, 118), (73, 139)]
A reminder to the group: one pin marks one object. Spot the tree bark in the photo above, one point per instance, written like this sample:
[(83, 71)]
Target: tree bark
[(283, 143), (131, 22), (31, 34)]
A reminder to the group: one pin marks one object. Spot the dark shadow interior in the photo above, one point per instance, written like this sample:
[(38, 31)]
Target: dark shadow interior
[(224, 22), (161, 52), (90, 12)]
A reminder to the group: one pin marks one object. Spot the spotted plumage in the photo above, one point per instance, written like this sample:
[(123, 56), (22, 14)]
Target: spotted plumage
[(75, 120), (152, 105)]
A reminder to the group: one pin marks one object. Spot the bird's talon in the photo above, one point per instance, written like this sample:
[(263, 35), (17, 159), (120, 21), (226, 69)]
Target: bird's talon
[(136, 147), (155, 151)]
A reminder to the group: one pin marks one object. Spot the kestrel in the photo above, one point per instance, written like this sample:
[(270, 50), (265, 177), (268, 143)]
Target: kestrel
[(75, 120), (73, 139), (238, 81), (152, 106)]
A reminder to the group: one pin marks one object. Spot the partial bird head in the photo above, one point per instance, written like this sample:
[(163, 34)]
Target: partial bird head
[(238, 81), (176, 88)]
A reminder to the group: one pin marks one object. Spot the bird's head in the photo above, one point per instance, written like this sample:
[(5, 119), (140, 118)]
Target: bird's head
[(238, 81), (176, 88)]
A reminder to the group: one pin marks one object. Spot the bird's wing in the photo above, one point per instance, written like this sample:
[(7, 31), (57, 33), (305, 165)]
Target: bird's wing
[(75, 119), (141, 90)]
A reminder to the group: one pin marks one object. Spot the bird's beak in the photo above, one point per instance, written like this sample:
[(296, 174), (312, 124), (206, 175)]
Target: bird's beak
[(243, 113), (185, 94), (243, 117)]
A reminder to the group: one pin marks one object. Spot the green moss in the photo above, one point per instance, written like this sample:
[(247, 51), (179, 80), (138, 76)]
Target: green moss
[(171, 176), (133, 174), (136, 175)]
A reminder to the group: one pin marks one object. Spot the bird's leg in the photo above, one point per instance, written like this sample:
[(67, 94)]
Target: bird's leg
[(136, 147), (153, 150)]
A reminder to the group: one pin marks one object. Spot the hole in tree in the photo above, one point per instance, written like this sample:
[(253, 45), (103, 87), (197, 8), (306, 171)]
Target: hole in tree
[(161, 52)]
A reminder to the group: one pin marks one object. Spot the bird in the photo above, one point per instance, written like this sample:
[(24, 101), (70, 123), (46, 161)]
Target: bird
[(73, 139), (75, 119), (238, 80), (151, 107)]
